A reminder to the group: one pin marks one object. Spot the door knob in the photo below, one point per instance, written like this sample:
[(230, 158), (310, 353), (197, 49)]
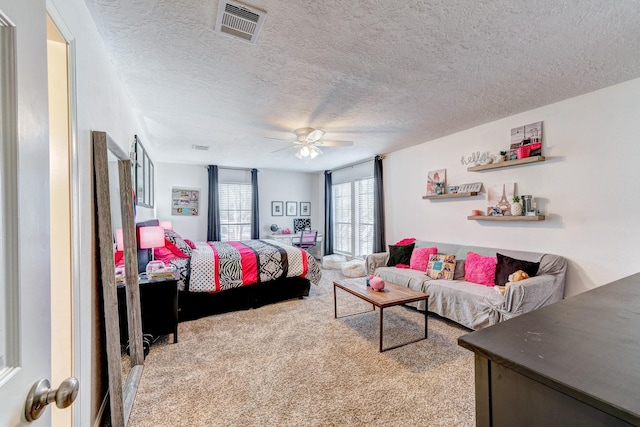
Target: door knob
[(41, 395)]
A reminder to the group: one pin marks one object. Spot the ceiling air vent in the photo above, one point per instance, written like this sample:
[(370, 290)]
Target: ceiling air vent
[(200, 147), (239, 21)]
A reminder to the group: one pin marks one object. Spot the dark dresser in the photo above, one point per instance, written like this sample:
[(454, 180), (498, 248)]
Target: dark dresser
[(572, 363)]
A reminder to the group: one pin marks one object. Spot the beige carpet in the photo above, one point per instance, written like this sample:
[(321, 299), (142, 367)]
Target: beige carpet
[(293, 364)]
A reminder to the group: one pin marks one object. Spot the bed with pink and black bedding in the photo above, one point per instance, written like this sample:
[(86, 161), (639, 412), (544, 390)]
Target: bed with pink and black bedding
[(215, 277)]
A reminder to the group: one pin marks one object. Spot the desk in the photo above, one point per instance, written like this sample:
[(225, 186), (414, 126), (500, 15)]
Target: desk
[(572, 363), (317, 251)]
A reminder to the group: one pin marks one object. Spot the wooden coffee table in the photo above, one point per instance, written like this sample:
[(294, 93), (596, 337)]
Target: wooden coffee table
[(392, 295)]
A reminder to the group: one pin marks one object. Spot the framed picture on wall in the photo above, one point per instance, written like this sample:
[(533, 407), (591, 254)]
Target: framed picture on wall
[(292, 208), (305, 208), (277, 209)]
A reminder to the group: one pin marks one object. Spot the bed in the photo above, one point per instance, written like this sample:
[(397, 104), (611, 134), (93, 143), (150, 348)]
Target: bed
[(215, 277)]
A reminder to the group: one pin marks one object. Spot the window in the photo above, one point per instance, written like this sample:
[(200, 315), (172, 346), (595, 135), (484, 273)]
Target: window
[(143, 176), (235, 211), (353, 217)]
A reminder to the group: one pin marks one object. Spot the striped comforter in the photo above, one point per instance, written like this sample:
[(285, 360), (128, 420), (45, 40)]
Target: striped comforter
[(217, 266)]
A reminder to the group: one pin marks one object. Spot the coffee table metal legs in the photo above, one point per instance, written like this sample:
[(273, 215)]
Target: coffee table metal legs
[(426, 317)]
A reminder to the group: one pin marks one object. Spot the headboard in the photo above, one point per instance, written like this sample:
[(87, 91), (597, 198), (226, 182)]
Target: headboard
[(144, 255)]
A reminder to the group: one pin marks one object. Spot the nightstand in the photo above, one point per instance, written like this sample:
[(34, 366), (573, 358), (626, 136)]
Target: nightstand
[(159, 307)]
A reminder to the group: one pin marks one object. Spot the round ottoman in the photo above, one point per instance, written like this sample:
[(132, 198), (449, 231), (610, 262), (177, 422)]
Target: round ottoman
[(333, 262), (354, 268)]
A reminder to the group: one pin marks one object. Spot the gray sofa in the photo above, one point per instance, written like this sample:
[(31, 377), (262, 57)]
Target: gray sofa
[(472, 305)]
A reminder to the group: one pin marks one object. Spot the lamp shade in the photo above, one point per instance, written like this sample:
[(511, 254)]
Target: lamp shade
[(167, 225), (119, 240), (151, 237)]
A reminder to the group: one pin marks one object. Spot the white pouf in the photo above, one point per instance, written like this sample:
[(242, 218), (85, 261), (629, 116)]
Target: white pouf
[(333, 262), (354, 268)]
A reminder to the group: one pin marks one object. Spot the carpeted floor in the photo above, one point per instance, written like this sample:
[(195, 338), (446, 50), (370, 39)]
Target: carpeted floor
[(293, 364)]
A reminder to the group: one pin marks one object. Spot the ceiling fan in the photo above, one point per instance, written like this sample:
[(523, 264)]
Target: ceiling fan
[(309, 141)]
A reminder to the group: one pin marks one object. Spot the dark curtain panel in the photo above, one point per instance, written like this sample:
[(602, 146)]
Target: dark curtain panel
[(213, 218), (328, 215), (379, 243), (255, 211)]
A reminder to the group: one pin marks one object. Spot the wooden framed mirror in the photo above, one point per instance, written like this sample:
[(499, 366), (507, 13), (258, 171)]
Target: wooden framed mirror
[(122, 391)]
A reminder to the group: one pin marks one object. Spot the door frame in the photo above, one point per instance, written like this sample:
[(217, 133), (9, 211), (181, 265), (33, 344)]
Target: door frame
[(81, 360)]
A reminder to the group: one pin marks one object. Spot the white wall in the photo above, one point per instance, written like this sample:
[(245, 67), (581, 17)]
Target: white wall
[(272, 185), (286, 186), (167, 176), (586, 187)]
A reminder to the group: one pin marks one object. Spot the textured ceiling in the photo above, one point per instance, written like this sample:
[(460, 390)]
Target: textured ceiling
[(384, 74)]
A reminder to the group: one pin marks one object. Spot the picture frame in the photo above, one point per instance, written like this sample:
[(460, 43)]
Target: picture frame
[(292, 208), (305, 208), (277, 209), (185, 201), (436, 182)]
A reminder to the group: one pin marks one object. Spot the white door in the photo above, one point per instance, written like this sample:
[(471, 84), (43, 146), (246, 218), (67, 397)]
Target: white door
[(25, 313)]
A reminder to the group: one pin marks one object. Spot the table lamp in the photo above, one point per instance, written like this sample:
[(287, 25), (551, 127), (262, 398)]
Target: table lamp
[(150, 238), (119, 240)]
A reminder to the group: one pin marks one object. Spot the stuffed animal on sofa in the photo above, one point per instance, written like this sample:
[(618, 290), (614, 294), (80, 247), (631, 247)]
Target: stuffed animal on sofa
[(513, 277)]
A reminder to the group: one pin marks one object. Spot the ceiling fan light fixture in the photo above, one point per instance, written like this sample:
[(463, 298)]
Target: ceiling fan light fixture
[(304, 151), (298, 155), (313, 154)]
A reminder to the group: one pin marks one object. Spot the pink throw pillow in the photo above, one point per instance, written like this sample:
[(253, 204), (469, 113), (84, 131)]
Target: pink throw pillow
[(480, 269), (420, 258), (407, 241), (190, 243)]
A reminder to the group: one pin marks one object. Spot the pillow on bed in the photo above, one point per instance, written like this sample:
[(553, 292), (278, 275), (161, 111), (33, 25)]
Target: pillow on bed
[(177, 240), (190, 243)]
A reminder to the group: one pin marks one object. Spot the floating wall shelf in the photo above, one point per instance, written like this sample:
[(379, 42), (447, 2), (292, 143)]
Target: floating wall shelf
[(506, 218), (507, 163), (451, 195)]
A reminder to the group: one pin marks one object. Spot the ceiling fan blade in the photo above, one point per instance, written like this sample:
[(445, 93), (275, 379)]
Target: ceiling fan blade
[(283, 149), (335, 143), (314, 135)]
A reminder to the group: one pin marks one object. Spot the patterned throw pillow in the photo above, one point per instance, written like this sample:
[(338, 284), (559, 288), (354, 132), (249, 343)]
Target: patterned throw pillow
[(441, 266), (480, 269), (177, 240)]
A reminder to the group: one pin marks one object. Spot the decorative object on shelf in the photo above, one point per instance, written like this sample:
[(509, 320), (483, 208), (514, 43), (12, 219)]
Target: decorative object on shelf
[(286, 231), (527, 203), (516, 206), (498, 198), (376, 283), (507, 163), (452, 189), (292, 208), (277, 209), (476, 158), (436, 179), (305, 208), (439, 188), (274, 228), (185, 201), (473, 187), (528, 138), (476, 212)]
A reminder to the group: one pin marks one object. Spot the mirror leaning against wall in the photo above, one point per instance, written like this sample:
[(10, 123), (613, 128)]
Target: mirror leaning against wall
[(120, 397)]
